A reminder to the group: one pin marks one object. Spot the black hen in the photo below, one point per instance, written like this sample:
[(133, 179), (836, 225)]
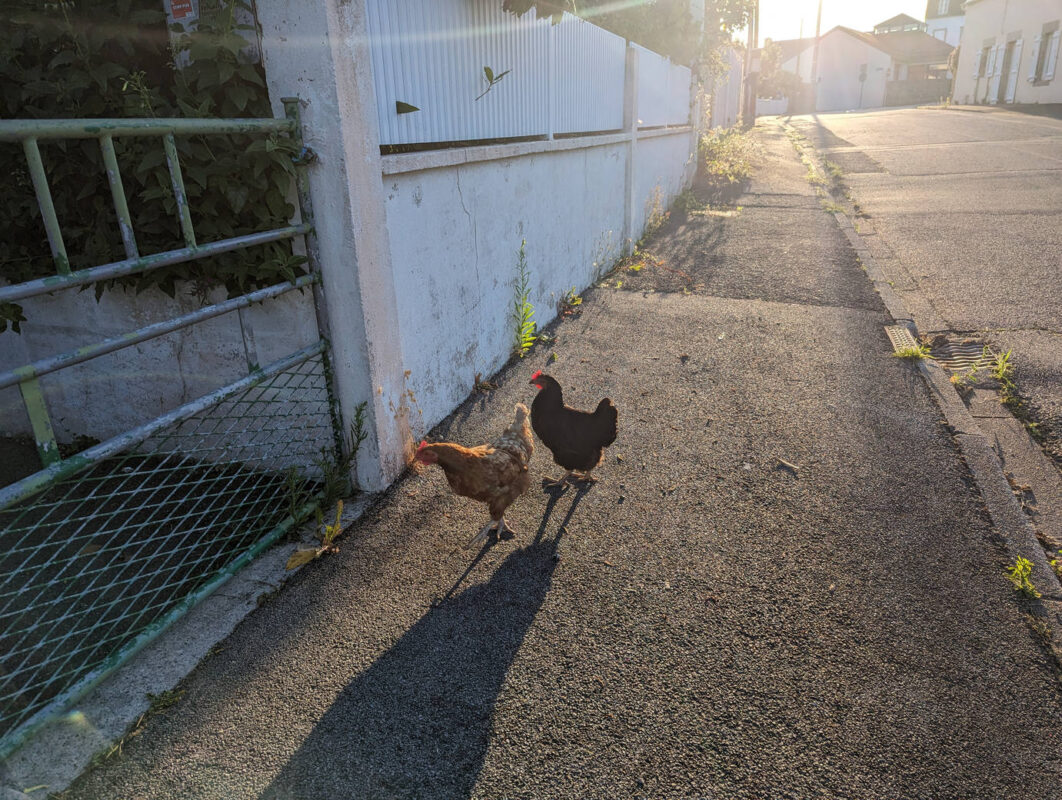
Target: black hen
[(576, 438)]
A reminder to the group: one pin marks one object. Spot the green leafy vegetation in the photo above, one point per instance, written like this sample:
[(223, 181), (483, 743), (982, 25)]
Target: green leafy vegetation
[(523, 311), (1020, 575), (727, 156), (914, 353), (114, 58), (666, 26), (492, 80)]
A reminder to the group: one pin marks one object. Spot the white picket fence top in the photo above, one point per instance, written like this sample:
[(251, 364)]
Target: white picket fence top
[(559, 79)]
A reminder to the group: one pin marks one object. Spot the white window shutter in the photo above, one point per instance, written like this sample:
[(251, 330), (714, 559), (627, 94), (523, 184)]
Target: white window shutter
[(990, 66), (1035, 58), (1051, 61)]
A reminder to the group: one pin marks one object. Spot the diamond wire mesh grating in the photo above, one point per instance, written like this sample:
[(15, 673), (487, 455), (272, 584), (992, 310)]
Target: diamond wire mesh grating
[(87, 564)]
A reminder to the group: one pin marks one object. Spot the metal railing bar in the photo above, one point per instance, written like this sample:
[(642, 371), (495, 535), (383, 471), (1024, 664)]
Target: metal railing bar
[(44, 201), (16, 130), (121, 205), (177, 179), (40, 421), (39, 481), (11, 742), (131, 266), (53, 363)]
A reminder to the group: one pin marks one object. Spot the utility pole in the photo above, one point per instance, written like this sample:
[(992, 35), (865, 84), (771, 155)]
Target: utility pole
[(749, 107), (815, 63)]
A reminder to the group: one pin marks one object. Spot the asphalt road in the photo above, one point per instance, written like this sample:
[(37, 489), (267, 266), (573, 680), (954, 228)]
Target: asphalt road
[(965, 208), (704, 622)]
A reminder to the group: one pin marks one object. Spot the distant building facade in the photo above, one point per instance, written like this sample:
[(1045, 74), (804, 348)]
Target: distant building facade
[(1010, 52), (945, 19)]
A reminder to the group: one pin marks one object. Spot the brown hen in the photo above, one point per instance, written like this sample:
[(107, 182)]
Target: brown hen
[(495, 474)]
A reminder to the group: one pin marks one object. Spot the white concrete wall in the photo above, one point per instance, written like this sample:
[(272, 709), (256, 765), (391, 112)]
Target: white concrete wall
[(119, 391), (947, 29), (840, 56), (993, 23), (800, 64), (455, 231), (772, 106)]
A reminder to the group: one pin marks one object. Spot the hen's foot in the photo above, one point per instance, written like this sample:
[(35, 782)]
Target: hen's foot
[(504, 531), (484, 532), (553, 484), (586, 477)]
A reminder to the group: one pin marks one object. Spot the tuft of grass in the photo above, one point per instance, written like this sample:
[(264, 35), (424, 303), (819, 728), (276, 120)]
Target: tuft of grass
[(523, 311), (1056, 565), (916, 353), (727, 156), (1020, 575)]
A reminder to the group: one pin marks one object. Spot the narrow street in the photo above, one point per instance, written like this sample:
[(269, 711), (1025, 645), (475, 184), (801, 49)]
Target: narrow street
[(705, 621), (965, 213)]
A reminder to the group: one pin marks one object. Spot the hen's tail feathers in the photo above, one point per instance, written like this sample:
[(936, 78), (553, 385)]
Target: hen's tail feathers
[(609, 415)]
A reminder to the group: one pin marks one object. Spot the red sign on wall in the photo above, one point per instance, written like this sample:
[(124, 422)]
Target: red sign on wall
[(179, 9)]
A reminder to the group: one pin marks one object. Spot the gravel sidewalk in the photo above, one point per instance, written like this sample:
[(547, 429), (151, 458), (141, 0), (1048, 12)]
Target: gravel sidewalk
[(704, 622)]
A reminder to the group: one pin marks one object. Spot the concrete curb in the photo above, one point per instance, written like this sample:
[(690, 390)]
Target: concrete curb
[(62, 749), (1017, 531)]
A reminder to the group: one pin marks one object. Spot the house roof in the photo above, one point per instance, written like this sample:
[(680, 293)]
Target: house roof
[(791, 48), (898, 21), (906, 47)]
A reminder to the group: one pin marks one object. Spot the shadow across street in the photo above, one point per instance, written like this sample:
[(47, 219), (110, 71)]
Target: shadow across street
[(417, 722)]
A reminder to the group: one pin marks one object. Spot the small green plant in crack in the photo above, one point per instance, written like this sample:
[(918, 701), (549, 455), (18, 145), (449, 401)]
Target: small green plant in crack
[(570, 302), (964, 381), (1020, 574), (326, 534), (523, 311), (832, 208), (1056, 564), (914, 353)]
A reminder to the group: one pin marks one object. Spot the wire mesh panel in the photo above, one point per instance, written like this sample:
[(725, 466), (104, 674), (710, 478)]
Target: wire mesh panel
[(99, 556), (102, 548)]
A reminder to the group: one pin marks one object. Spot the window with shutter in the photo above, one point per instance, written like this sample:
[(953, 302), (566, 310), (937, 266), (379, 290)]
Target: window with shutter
[(1036, 63), (1052, 57)]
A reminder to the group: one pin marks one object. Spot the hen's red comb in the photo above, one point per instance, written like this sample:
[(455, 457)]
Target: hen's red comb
[(423, 444), (536, 374)]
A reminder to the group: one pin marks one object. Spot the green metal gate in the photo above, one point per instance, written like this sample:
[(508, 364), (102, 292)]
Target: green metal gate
[(102, 550)]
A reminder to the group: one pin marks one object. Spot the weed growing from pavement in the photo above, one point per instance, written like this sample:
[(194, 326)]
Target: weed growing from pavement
[(523, 311), (570, 302), (1003, 371), (727, 156), (480, 386), (326, 534), (915, 353), (1020, 575), (1056, 565)]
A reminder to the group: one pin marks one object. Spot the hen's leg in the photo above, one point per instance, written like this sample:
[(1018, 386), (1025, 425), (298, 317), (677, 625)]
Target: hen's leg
[(504, 531), (554, 484), (483, 533), (587, 477)]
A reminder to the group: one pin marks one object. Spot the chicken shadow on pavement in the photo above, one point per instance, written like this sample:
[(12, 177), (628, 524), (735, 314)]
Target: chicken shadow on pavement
[(417, 722)]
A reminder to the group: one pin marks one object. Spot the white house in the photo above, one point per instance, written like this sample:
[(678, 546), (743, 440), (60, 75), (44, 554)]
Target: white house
[(898, 64), (944, 20), (1009, 52)]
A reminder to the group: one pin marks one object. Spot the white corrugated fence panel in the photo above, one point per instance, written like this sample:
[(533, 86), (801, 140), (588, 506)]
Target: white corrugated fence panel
[(654, 72), (678, 108), (431, 54), (589, 64)]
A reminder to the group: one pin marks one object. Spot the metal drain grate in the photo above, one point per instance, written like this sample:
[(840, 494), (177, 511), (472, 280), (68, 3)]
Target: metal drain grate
[(961, 353), (901, 337)]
